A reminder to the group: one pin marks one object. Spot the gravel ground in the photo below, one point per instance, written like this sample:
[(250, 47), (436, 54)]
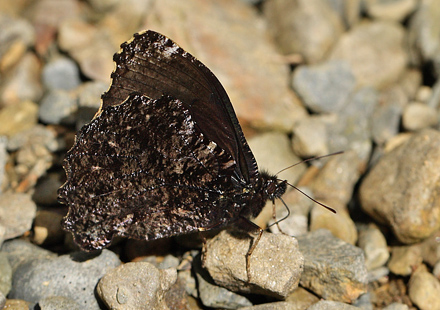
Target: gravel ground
[(306, 78)]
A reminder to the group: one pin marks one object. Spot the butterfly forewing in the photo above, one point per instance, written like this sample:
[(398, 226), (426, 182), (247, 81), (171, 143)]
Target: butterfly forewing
[(153, 65)]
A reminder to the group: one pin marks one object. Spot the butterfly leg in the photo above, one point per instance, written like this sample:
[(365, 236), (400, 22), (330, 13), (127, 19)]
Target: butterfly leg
[(249, 226)]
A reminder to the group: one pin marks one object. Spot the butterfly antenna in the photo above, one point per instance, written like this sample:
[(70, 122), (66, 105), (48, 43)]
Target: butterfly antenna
[(309, 159), (314, 200)]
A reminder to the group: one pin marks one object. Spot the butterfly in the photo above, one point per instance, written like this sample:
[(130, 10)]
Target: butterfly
[(164, 155)]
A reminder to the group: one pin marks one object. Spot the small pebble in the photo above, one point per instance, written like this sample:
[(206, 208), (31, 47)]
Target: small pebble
[(61, 73), (58, 303), (58, 107), (417, 116), (374, 244), (331, 305), (404, 259), (17, 212)]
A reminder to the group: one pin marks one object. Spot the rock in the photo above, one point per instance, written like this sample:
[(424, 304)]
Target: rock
[(136, 286), (424, 94), (57, 303), (336, 180), (274, 257), (386, 117), (22, 82), (22, 252), (418, 116), (2, 301), (401, 190), (102, 6), (309, 28), (331, 305), (46, 189), (16, 37), (214, 296), (396, 306), (351, 130), (17, 212), (61, 74), (424, 289), (302, 298), (89, 101), (5, 275), (374, 244), (364, 302), (340, 224), (396, 10), (434, 100), (410, 82), (253, 90), (404, 259), (424, 27), (349, 11), (38, 135), (333, 269), (431, 249), (273, 153), (324, 88), (280, 305), (380, 274), (17, 304), (58, 107), (310, 137), (3, 160), (374, 51), (74, 276), (17, 117), (47, 228)]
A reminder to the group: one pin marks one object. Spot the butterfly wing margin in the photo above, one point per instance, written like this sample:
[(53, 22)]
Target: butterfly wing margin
[(154, 65), (141, 169)]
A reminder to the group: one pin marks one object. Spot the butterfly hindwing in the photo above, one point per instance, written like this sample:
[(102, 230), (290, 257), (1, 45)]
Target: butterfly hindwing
[(143, 169)]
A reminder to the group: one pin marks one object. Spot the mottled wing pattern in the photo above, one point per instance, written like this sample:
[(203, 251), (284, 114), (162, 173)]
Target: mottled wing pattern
[(143, 169), (153, 65)]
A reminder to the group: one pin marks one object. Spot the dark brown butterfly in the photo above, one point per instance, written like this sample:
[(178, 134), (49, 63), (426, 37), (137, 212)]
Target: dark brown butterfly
[(164, 156)]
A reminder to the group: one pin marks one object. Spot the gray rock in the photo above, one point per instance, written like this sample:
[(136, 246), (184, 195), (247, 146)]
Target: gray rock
[(395, 10), (136, 286), (331, 305), (364, 302), (23, 81), (61, 73), (424, 289), (374, 244), (17, 117), (215, 296), (403, 186), (325, 87), (58, 303), (396, 306), (385, 60), (333, 269), (352, 129), (5, 274), (58, 107), (385, 122), (74, 276), (274, 257), (310, 137), (378, 274), (309, 28), (22, 252), (418, 116), (17, 212), (404, 258), (273, 153), (169, 261)]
